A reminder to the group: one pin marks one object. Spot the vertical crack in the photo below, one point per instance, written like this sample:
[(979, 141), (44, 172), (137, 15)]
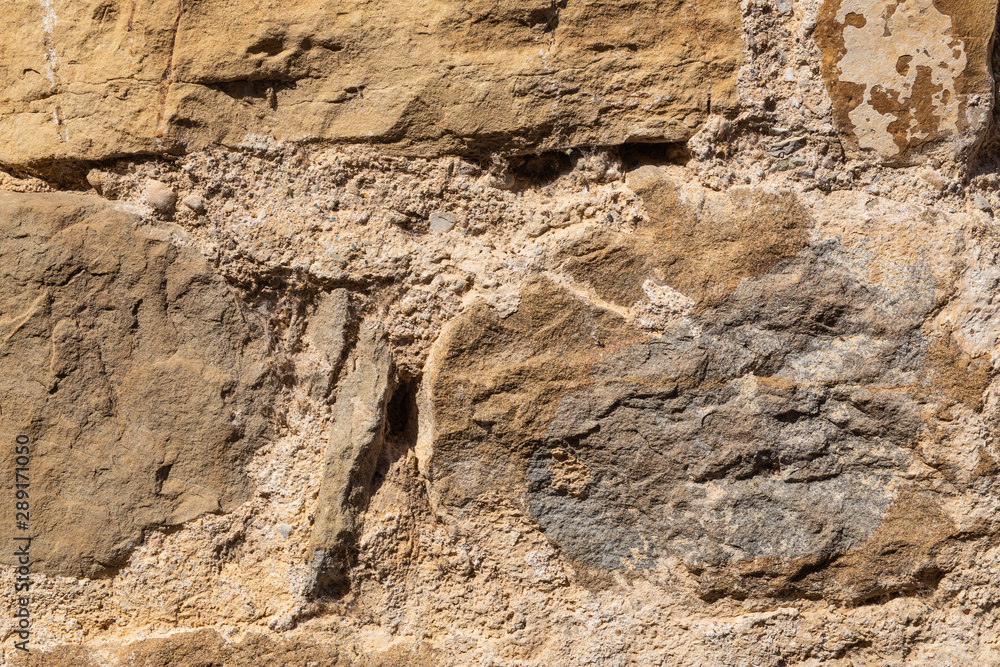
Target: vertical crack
[(704, 56), (49, 20), (168, 77)]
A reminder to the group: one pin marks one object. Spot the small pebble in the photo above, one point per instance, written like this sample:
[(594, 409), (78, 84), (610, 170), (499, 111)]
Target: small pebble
[(96, 179), (980, 202), (194, 203), (465, 168), (536, 229), (160, 196), (284, 530), (442, 221), (503, 181)]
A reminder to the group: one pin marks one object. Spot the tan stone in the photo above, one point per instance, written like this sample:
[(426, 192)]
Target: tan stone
[(97, 79), (207, 647), (131, 369), (906, 77)]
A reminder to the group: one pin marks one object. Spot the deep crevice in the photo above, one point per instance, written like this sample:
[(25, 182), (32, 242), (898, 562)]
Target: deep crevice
[(401, 423), (530, 168), (539, 169), (635, 155)]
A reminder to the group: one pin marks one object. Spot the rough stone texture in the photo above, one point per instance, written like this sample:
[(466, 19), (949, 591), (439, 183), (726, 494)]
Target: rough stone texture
[(102, 79), (766, 438), (909, 76), (726, 400), (328, 331), (205, 647), (356, 440), (134, 372)]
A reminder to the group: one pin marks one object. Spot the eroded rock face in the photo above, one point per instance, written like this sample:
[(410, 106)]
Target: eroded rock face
[(133, 370), (771, 436), (601, 332), (905, 77), (356, 440), (100, 79), (207, 647)]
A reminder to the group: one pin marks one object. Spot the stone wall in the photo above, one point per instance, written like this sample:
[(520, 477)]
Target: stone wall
[(505, 333)]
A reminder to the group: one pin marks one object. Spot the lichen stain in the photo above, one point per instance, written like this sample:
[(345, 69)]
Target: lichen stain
[(905, 58)]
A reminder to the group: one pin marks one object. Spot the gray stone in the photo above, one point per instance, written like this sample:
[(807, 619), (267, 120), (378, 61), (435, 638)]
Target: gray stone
[(441, 222), (195, 203), (766, 434), (787, 147), (356, 440), (327, 331)]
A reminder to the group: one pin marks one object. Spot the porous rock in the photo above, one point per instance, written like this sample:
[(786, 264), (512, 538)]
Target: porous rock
[(668, 354)]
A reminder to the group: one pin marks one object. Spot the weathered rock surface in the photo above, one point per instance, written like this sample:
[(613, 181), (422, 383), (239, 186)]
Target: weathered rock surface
[(905, 77), (774, 437), (328, 332), (356, 440), (135, 373), (582, 332), (206, 647), (102, 79)]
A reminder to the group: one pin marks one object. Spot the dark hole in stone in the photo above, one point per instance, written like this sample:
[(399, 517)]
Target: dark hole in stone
[(635, 155), (539, 169), (791, 416), (547, 18), (162, 473), (400, 429), (401, 414), (272, 46)]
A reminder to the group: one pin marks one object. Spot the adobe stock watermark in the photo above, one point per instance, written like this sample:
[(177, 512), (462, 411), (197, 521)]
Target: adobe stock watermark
[(22, 542)]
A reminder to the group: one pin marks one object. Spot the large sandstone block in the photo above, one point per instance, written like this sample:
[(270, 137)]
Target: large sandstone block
[(104, 78), (132, 369), (909, 77), (762, 412)]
